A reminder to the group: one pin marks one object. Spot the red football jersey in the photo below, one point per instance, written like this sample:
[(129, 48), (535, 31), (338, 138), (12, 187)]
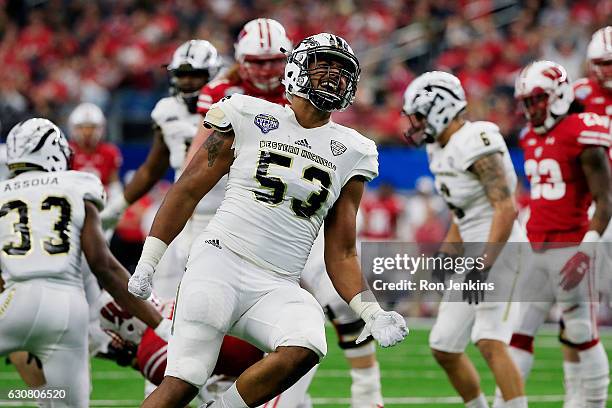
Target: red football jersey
[(593, 97), (235, 356), (103, 162), (560, 196), (381, 216), (216, 90)]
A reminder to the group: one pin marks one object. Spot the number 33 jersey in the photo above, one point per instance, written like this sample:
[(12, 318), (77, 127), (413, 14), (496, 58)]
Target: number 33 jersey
[(560, 195), (283, 181), (41, 217), (461, 188)]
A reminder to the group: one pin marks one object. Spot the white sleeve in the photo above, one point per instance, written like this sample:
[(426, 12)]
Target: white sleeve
[(91, 187), (367, 164), (157, 114), (225, 116), (482, 140)]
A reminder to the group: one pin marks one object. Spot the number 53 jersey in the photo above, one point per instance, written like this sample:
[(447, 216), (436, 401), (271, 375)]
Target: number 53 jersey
[(560, 195), (41, 217), (283, 181)]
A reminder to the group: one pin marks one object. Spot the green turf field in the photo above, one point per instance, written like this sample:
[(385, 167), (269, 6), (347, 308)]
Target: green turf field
[(409, 374)]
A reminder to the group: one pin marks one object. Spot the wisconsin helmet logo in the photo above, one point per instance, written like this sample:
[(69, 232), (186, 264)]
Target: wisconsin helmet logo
[(337, 148), (266, 123)]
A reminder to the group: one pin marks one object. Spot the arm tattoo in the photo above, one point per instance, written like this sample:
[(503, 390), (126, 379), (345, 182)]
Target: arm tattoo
[(490, 170), (213, 145)]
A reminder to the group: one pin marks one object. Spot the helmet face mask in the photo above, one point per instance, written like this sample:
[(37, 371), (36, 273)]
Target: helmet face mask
[(324, 70), (535, 107), (602, 69), (87, 135), (263, 73), (415, 133)]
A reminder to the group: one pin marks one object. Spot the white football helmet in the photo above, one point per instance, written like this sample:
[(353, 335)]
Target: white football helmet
[(433, 100), (259, 53), (86, 114), (545, 93), (37, 144), (334, 93), (599, 55), (114, 319), (198, 59)]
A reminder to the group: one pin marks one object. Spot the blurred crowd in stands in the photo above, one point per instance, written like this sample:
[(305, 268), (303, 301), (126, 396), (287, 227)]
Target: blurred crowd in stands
[(57, 53)]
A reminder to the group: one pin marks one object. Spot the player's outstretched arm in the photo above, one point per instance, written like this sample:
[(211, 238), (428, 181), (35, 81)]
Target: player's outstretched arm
[(596, 168), (210, 163), (341, 257), (491, 172), (109, 271), (342, 264), (149, 173)]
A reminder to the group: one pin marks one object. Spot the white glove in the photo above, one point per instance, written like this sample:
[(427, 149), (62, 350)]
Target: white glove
[(164, 329), (141, 282), (113, 211), (387, 328)]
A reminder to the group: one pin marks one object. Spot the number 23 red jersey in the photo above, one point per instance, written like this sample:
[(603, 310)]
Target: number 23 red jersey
[(560, 196)]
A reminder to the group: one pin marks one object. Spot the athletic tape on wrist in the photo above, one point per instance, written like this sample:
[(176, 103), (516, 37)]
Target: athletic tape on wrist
[(152, 251), (365, 305)]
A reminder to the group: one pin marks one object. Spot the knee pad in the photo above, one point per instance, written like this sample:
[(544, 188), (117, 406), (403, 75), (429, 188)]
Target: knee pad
[(347, 332), (192, 358), (577, 333)]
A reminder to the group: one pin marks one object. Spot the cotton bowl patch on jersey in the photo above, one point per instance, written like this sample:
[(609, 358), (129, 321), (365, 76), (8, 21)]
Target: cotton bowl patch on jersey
[(266, 123)]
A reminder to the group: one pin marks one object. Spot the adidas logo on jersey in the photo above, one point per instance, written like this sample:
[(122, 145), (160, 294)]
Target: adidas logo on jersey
[(213, 242), (303, 143)]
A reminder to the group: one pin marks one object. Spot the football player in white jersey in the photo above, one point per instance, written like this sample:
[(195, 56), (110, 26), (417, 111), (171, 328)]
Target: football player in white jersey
[(289, 168), (474, 174), (364, 369), (48, 215), (175, 124)]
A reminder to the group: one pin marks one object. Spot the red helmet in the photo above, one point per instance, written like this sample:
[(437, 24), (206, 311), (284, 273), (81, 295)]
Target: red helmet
[(599, 55), (544, 90), (259, 52)]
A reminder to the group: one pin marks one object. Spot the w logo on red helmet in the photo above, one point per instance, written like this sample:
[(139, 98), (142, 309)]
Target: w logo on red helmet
[(555, 74)]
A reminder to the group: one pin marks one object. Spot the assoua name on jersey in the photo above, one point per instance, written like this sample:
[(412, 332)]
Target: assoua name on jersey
[(283, 180), (461, 188), (41, 218)]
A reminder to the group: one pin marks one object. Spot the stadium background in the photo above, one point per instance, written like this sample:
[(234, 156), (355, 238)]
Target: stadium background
[(57, 53)]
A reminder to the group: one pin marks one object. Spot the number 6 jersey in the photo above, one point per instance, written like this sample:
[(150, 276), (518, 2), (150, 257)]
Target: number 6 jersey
[(560, 196), (283, 180), (41, 217), (460, 188)]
